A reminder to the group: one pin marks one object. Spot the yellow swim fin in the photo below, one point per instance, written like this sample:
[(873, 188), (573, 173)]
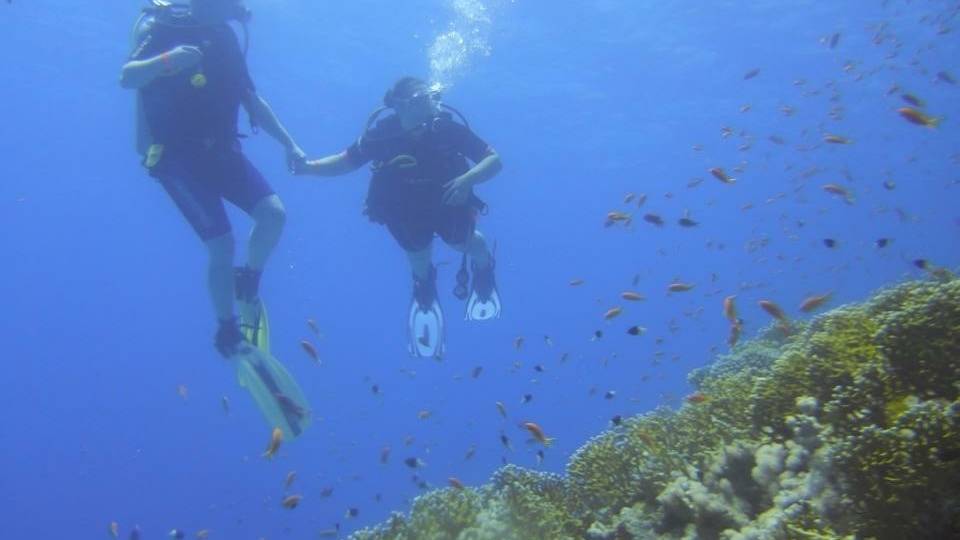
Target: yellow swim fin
[(254, 324), (276, 393)]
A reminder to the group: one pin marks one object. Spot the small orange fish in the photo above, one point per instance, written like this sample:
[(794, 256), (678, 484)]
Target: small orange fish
[(618, 216), (696, 397), (679, 286), (735, 330), (773, 310), (919, 118), (722, 175), (632, 296), (455, 482), (288, 481), (576, 282), (836, 139), (502, 409), (291, 501), (537, 433), (612, 313), (276, 439), (730, 309), (840, 191), (813, 302)]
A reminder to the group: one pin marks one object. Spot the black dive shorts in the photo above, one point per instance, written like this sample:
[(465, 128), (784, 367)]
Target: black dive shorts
[(453, 224), (199, 180)]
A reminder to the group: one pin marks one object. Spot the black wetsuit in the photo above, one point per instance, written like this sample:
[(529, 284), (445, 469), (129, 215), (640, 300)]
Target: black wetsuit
[(409, 200), (193, 115)]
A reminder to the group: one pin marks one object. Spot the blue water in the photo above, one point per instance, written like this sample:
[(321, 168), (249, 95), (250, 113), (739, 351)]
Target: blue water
[(106, 313)]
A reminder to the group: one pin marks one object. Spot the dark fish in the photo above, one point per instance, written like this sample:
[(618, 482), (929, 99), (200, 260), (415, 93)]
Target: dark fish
[(326, 492), (913, 100), (616, 420), (882, 242), (636, 330), (610, 394), (751, 74), (830, 242), (834, 40), (687, 222), (943, 76), (539, 368), (177, 534), (598, 334), (654, 219), (889, 185), (135, 532), (413, 462), (476, 372), (375, 389), (527, 398), (353, 512), (921, 263)]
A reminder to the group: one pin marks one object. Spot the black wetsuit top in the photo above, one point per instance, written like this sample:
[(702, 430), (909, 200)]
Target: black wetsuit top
[(180, 112), (441, 150)]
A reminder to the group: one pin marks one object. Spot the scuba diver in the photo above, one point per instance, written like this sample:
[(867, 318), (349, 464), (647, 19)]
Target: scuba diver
[(422, 185), (191, 77)]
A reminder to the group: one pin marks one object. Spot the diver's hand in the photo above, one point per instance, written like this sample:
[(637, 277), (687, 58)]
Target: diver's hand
[(456, 192), (296, 160), (181, 57)]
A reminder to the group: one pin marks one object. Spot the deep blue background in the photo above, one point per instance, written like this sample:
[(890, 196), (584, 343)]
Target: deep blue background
[(105, 310)]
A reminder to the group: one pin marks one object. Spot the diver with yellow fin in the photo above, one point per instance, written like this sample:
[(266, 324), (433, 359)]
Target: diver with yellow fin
[(191, 77)]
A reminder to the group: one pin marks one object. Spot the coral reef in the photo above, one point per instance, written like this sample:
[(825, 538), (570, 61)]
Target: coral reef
[(848, 426)]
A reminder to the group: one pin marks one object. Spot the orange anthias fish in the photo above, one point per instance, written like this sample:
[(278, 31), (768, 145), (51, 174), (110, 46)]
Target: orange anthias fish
[(836, 189), (730, 309), (735, 330), (722, 175), (616, 217), (612, 313), (678, 286), (537, 433), (455, 482), (696, 397), (813, 302), (291, 501), (774, 310), (836, 139), (276, 439), (632, 296), (310, 350), (919, 118)]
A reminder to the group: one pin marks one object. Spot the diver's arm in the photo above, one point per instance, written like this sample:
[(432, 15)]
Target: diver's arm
[(139, 73), (263, 115), (334, 165), (484, 170)]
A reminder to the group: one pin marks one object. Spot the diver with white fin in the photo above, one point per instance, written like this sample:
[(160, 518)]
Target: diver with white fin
[(422, 186)]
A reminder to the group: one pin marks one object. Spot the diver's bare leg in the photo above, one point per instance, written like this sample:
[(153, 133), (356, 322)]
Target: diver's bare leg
[(421, 262), (269, 218), (476, 248), (220, 274)]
